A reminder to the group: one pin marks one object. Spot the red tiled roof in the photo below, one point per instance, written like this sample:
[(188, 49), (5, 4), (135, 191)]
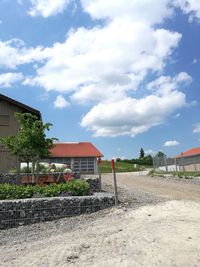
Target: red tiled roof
[(190, 152), (82, 149)]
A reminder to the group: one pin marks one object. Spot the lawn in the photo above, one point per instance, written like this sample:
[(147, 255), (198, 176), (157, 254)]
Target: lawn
[(119, 167)]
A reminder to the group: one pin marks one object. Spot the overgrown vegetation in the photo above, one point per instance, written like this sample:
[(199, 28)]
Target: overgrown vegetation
[(185, 175), (72, 188), (146, 161), (120, 166)]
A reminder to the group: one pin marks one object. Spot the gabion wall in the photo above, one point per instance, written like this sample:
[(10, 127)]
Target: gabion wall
[(14, 213)]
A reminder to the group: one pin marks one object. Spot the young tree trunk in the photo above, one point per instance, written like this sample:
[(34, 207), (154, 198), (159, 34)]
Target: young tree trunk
[(33, 171)]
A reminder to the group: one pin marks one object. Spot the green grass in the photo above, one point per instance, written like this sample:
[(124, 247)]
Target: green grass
[(119, 167)]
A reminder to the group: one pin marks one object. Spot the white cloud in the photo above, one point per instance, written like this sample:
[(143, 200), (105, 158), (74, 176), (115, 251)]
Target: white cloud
[(46, 8), (191, 7), (7, 79), (131, 116), (1, 21), (148, 11), (106, 64), (164, 84), (14, 52), (61, 102), (177, 115), (194, 61), (196, 128), (171, 143), (116, 57)]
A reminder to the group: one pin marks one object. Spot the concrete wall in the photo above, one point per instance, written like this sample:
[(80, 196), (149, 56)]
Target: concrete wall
[(14, 213)]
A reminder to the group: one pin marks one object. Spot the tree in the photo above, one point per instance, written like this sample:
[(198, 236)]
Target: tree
[(142, 153), (160, 154), (30, 144)]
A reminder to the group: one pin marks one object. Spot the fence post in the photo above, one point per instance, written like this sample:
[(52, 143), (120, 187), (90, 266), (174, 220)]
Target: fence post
[(182, 159), (154, 164), (99, 171), (176, 164), (115, 182), (195, 166), (166, 167)]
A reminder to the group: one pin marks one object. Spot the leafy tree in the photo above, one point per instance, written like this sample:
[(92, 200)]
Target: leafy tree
[(142, 153), (160, 154), (30, 144)]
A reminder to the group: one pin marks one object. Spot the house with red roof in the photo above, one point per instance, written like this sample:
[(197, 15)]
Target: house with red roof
[(189, 160), (190, 153), (81, 157)]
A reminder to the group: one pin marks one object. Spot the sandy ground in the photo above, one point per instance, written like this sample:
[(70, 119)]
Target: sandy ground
[(165, 233)]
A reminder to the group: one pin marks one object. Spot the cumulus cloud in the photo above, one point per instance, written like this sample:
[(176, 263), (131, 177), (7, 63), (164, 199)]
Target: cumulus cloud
[(61, 102), (131, 116), (165, 84), (46, 8), (7, 79), (106, 65), (116, 57), (14, 53), (196, 128), (171, 143), (135, 10), (191, 7)]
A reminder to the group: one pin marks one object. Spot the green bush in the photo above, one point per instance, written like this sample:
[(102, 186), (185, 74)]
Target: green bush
[(26, 169), (73, 188)]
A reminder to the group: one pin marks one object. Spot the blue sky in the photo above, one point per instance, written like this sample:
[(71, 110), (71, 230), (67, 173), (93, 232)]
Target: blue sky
[(120, 74)]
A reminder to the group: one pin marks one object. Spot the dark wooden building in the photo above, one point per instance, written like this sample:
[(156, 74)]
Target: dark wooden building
[(10, 126)]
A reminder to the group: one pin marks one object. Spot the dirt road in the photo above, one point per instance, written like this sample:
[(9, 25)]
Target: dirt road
[(153, 229), (162, 187)]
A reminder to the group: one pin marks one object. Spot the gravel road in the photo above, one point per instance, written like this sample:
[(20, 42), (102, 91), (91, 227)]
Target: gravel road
[(169, 188), (151, 227)]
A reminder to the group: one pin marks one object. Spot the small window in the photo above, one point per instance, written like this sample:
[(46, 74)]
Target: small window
[(4, 120)]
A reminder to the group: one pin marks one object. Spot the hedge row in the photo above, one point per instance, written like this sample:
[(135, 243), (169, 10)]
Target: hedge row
[(72, 188)]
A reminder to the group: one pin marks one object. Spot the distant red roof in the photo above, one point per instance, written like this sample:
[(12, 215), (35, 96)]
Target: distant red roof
[(82, 149), (190, 152)]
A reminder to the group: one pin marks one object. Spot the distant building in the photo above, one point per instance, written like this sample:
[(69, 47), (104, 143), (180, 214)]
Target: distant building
[(189, 160), (10, 126), (81, 157)]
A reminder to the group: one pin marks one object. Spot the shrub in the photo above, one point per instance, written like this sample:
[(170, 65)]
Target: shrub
[(73, 188), (26, 169)]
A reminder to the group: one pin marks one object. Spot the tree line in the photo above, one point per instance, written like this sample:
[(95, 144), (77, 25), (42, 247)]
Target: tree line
[(143, 159)]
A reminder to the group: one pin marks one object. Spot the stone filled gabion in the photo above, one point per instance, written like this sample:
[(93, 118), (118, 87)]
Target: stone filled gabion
[(14, 213), (9, 179)]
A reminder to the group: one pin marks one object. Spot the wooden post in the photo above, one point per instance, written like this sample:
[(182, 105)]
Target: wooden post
[(182, 159), (99, 171), (115, 182), (195, 166), (176, 164)]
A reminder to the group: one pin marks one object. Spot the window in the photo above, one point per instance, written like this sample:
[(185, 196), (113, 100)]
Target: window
[(4, 120)]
